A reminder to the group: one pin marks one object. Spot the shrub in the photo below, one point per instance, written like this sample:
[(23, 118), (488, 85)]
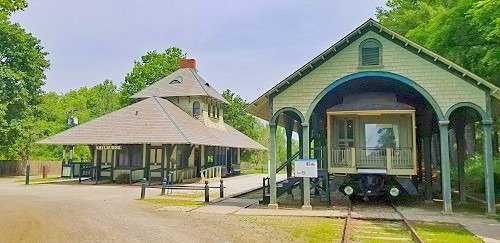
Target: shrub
[(123, 178), (474, 173)]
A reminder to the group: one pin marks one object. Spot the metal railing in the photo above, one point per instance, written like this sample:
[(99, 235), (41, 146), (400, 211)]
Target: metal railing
[(166, 187)]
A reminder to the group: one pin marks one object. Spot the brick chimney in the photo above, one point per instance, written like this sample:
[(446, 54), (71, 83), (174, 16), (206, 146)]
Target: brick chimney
[(188, 63)]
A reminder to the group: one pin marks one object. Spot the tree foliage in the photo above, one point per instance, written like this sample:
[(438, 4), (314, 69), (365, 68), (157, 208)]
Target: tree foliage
[(152, 67), (465, 31), (22, 66)]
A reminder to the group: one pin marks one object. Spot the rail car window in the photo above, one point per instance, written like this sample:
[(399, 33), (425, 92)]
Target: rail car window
[(381, 135)]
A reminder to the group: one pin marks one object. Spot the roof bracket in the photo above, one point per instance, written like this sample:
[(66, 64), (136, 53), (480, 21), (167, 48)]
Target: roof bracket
[(406, 43), (359, 31), (347, 40), (449, 67), (310, 65), (435, 59), (393, 35), (419, 50)]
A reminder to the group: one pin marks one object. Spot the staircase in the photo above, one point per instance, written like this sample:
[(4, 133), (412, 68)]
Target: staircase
[(283, 186)]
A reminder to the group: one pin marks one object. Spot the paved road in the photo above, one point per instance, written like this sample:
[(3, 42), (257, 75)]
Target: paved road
[(55, 213)]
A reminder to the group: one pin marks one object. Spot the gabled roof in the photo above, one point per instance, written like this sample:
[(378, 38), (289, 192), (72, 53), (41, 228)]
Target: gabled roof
[(183, 82), (260, 107), (153, 120)]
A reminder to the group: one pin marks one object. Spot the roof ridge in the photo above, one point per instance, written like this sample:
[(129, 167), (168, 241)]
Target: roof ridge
[(197, 77), (170, 117)]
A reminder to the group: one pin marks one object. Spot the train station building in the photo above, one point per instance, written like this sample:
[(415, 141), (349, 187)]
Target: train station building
[(375, 109), (175, 129)]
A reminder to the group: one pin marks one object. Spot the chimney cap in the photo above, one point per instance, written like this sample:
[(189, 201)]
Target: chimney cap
[(188, 63)]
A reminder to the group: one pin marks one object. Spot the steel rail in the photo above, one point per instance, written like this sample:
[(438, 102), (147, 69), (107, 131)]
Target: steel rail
[(407, 223), (347, 224)]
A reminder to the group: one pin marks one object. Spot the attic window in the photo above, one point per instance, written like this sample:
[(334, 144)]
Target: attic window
[(177, 80), (370, 53)]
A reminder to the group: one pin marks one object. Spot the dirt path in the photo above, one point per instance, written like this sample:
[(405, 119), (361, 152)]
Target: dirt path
[(57, 213)]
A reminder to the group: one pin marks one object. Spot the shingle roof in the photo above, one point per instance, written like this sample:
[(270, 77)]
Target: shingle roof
[(153, 120), (189, 83)]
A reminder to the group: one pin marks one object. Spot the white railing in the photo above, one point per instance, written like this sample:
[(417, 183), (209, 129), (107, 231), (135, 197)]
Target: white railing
[(184, 174), (371, 157), (341, 158), (394, 158), (214, 172), (402, 158)]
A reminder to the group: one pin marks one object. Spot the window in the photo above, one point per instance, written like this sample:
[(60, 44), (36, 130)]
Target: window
[(182, 155), (381, 136), (177, 80), (345, 128), (106, 156), (130, 156), (196, 109), (370, 53), (155, 156)]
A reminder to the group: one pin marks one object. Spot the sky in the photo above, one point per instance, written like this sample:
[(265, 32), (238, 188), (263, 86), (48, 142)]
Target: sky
[(244, 46)]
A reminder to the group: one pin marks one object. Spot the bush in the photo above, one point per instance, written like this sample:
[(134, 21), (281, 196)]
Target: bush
[(474, 173), (123, 178)]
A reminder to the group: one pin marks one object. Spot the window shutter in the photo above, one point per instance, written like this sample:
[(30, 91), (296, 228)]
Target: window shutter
[(370, 56)]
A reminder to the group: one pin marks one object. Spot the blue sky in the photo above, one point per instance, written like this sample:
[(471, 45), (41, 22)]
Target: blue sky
[(245, 46)]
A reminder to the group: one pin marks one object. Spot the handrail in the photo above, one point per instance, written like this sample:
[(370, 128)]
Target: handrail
[(282, 166), (211, 172)]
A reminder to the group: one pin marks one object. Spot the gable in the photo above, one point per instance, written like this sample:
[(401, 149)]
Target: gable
[(400, 56), (446, 88)]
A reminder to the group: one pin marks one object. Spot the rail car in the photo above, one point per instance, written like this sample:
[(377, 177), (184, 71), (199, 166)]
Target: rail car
[(371, 141)]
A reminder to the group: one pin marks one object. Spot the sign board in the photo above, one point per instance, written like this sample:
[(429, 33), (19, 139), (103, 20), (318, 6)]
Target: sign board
[(306, 168), (109, 147)]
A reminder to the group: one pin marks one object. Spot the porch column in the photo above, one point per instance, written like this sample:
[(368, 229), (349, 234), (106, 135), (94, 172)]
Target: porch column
[(460, 134), (288, 132), (445, 165), (488, 166), (272, 168), (306, 180), (427, 154), (426, 147)]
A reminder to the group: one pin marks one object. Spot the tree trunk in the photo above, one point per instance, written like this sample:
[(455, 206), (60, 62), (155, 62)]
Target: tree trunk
[(470, 134), (453, 146)]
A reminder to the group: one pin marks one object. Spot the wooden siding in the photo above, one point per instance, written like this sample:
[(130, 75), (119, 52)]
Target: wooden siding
[(446, 88)]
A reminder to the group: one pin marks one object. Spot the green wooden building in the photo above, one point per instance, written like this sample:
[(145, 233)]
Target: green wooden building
[(377, 103), (175, 129)]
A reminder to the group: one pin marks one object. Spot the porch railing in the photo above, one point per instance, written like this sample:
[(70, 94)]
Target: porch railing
[(214, 172), (395, 158)]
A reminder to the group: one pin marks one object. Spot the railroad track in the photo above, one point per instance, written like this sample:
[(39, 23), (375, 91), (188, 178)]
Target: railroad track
[(360, 228)]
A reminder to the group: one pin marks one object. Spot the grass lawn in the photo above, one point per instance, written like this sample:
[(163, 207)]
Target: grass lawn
[(440, 232), (40, 179), (303, 229)]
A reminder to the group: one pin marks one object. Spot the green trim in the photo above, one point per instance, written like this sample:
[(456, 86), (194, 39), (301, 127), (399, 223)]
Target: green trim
[(445, 166), (473, 106), (274, 118), (489, 169), (380, 74)]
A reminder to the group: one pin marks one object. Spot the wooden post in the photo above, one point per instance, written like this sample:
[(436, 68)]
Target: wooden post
[(143, 188), (207, 192), (163, 186), (488, 167), (272, 168), (221, 189), (445, 165), (27, 181), (306, 180)]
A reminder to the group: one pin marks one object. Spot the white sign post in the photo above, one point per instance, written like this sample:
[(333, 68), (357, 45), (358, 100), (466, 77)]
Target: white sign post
[(306, 168)]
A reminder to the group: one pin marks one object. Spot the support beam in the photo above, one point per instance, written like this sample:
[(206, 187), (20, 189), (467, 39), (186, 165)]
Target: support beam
[(306, 181), (445, 165), (288, 132), (488, 166), (460, 135), (272, 168)]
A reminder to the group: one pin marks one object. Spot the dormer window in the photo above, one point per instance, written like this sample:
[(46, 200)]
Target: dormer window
[(196, 109), (177, 80), (370, 53)]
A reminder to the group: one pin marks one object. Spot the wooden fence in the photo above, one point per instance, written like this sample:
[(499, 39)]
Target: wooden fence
[(16, 167)]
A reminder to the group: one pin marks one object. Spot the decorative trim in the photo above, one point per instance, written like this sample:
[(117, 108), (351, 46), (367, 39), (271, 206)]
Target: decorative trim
[(274, 118), (444, 122), (473, 106)]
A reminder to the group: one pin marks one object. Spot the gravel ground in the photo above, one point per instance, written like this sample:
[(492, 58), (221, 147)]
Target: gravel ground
[(56, 213)]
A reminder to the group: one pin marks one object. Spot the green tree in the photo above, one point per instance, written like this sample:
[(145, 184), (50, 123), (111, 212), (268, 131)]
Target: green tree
[(152, 67), (22, 66), (236, 116), (467, 31)]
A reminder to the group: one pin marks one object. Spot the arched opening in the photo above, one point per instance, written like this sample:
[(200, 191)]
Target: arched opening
[(470, 146), (352, 121)]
